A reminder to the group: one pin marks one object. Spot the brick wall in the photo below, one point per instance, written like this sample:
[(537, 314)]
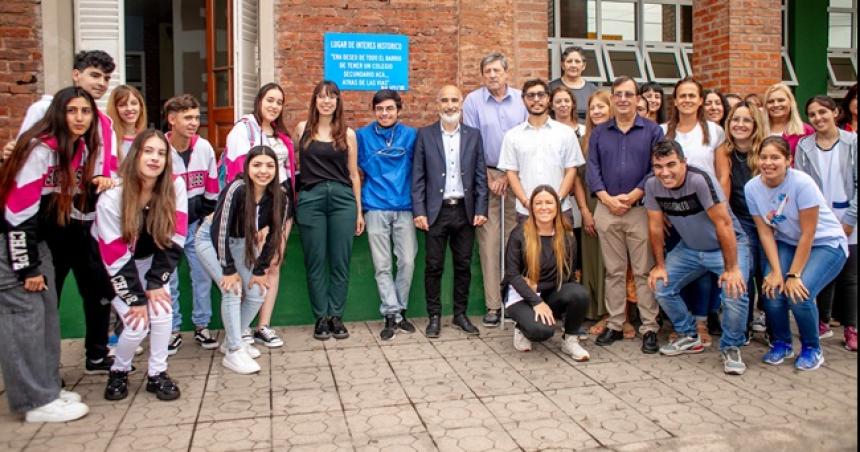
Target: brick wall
[(447, 38), (737, 44), (20, 62)]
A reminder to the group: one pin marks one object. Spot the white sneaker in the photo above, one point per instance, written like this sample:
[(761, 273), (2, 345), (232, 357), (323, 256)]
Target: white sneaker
[(521, 342), (138, 351), (247, 336), (252, 351), (70, 396), (238, 361), (58, 411), (571, 347)]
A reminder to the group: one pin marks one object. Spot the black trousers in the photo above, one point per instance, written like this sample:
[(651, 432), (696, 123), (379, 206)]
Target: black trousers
[(570, 301), (842, 291), (74, 249), (451, 225)]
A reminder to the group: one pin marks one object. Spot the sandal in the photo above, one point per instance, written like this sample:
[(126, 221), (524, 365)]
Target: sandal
[(598, 328), (628, 330)]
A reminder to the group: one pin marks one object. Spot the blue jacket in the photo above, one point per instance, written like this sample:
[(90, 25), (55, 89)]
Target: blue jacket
[(385, 158)]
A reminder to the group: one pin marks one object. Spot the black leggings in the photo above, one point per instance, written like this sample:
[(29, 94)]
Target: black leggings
[(841, 291), (570, 302)]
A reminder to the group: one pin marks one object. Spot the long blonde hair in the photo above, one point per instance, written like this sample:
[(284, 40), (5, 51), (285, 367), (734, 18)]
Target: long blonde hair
[(119, 95), (757, 136), (604, 97), (563, 233), (161, 221), (795, 124)]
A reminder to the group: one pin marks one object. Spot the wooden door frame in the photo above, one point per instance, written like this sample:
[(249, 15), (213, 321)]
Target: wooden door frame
[(212, 115)]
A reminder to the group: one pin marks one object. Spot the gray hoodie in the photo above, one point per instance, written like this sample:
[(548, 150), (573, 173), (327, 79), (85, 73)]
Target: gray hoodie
[(806, 161)]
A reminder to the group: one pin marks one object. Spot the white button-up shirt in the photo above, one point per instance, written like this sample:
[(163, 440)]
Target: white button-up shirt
[(540, 155), (453, 181)]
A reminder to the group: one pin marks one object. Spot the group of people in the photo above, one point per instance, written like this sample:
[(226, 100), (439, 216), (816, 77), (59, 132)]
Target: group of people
[(585, 204)]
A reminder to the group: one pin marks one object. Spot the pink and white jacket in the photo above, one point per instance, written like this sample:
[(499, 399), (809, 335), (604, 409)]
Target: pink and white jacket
[(244, 135), (200, 175), (29, 204), (119, 256)]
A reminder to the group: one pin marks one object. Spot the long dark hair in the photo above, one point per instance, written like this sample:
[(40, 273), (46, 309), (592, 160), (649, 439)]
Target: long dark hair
[(250, 211), (845, 109), (338, 125), (161, 221), (55, 125), (723, 101), (700, 113), (655, 87), (278, 124)]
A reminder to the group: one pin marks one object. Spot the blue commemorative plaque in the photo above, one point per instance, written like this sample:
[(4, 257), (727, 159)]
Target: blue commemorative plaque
[(367, 62)]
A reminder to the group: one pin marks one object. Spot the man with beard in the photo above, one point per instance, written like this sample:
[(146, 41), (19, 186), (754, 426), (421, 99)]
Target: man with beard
[(540, 151), (449, 200)]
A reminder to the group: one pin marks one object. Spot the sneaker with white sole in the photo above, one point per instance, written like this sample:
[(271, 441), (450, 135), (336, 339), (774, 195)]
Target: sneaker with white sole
[(247, 336), (684, 344), (267, 336), (759, 324), (252, 351), (732, 362), (57, 411), (174, 344), (70, 396), (521, 342), (238, 361), (203, 337), (570, 345)]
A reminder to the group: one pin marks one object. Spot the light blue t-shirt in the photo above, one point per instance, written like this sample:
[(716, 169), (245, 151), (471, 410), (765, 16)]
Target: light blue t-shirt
[(780, 208)]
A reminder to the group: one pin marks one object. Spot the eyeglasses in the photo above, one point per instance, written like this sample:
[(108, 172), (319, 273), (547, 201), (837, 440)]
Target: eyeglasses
[(536, 95), (388, 109), (623, 95)]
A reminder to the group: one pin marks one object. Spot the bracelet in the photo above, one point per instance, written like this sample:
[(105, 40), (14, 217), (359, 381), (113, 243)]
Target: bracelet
[(792, 275)]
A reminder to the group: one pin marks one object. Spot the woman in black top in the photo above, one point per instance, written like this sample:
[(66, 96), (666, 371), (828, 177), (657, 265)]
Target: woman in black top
[(734, 163), (328, 207), (539, 275)]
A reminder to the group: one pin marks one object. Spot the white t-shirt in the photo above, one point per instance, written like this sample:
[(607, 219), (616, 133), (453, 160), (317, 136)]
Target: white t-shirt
[(697, 153), (540, 156), (282, 153), (833, 187)]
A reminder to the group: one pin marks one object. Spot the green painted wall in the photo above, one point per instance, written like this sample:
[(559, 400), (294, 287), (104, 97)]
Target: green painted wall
[(808, 35), (293, 306)]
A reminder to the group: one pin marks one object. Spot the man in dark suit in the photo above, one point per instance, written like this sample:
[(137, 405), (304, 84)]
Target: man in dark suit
[(449, 200)]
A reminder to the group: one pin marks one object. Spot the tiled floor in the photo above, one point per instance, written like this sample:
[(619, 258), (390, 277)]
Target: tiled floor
[(460, 393)]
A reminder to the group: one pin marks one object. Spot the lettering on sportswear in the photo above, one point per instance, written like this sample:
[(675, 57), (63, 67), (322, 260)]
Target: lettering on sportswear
[(18, 250), (120, 286)]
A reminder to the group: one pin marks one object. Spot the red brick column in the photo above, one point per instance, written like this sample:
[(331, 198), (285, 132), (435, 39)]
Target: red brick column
[(20, 62), (736, 44)]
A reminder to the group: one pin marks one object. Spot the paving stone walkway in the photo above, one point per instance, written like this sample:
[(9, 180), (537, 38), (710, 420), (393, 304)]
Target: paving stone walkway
[(459, 393)]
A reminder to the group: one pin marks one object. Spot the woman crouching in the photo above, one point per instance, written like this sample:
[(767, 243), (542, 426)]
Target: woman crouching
[(539, 274), (141, 227)]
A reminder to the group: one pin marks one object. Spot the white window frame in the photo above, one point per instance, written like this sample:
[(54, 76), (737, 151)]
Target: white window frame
[(664, 48), (598, 53), (687, 54), (624, 46), (792, 76), (841, 53)]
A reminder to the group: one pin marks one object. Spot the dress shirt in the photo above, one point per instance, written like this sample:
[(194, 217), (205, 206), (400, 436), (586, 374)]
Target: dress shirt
[(453, 181), (493, 118), (617, 161)]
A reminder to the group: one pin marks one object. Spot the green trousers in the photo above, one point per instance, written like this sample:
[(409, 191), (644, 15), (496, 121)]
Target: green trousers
[(326, 216)]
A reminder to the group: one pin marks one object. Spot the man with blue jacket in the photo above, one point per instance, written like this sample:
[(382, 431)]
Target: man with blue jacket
[(385, 149)]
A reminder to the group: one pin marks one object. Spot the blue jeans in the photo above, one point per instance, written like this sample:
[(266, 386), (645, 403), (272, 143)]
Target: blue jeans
[(385, 227), (685, 265), (823, 265), (201, 284), (757, 268), (702, 295), (237, 310)]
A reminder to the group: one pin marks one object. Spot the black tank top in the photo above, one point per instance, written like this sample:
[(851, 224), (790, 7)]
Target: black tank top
[(320, 162), (741, 174)]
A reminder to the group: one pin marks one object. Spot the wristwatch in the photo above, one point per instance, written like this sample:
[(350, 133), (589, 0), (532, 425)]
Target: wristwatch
[(792, 275)]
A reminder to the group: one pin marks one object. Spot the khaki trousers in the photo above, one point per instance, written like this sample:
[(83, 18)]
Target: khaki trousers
[(489, 236), (621, 237)]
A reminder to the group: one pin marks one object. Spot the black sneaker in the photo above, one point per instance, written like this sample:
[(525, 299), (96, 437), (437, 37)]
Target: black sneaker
[(117, 385), (203, 337), (389, 330), (608, 337), (98, 367), (405, 325), (492, 319), (649, 343), (268, 337), (338, 329), (174, 344), (321, 329), (163, 387)]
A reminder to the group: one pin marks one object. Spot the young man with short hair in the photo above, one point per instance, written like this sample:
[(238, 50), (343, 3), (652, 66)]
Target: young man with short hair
[(385, 149), (193, 160), (712, 240)]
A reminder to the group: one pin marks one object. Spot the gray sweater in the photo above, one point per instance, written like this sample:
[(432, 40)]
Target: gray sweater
[(806, 161)]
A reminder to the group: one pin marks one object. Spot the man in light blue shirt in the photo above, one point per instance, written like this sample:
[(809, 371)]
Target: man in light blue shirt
[(385, 149), (494, 109)]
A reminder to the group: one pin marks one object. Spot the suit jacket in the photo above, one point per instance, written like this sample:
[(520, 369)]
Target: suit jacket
[(428, 172)]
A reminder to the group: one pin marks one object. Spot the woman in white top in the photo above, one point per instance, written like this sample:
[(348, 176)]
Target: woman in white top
[(265, 127), (829, 156)]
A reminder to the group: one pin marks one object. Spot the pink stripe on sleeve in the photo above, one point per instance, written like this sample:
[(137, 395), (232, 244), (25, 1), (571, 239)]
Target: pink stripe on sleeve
[(181, 223), (112, 251), (234, 167), (21, 198), (211, 185)]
